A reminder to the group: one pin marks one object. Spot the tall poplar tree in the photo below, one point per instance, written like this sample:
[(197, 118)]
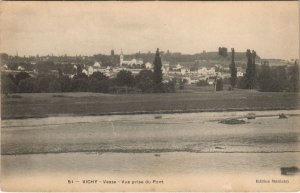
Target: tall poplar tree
[(157, 73), (233, 70), (250, 71)]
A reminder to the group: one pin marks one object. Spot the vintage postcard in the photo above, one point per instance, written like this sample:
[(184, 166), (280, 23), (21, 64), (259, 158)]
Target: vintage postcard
[(150, 96)]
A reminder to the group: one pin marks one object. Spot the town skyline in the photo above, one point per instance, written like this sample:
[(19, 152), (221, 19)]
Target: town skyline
[(92, 28)]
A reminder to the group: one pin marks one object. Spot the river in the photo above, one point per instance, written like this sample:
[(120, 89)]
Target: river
[(187, 152)]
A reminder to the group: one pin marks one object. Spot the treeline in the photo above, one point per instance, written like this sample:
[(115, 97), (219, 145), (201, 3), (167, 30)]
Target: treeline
[(273, 79), (125, 81)]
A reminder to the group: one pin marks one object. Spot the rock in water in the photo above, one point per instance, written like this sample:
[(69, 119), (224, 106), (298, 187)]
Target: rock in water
[(233, 121), (282, 116), (289, 170)]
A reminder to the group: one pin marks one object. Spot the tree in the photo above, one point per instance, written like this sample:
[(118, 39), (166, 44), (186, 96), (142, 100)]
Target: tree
[(45, 67), (272, 79), (125, 78), (65, 83), (157, 73), (202, 83), (55, 85), (250, 75), (7, 84), (182, 82), (233, 70), (79, 69), (21, 76), (28, 85), (80, 85), (98, 82), (280, 77), (265, 79), (98, 76), (144, 80), (80, 76), (170, 86), (223, 51), (219, 84), (43, 82), (293, 78), (101, 86)]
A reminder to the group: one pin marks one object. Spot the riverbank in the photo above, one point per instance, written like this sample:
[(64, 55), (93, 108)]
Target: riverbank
[(39, 105)]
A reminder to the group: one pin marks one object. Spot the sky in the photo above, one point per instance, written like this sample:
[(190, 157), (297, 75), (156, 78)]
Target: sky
[(88, 28)]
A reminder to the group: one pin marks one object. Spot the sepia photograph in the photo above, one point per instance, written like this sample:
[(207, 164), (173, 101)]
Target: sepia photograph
[(150, 96)]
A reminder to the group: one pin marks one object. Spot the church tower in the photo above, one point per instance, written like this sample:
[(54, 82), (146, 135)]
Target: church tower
[(121, 58)]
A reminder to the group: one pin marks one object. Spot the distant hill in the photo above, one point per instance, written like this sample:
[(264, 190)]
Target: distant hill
[(239, 56)]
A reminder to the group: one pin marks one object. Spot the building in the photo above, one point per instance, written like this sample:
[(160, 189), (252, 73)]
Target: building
[(184, 71), (207, 72), (21, 68), (131, 62), (148, 65)]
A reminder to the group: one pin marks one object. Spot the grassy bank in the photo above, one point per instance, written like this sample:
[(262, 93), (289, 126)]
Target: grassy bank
[(53, 104)]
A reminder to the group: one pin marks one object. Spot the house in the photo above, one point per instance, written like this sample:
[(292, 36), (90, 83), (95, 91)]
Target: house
[(90, 70), (184, 71), (207, 72), (21, 68), (178, 67), (97, 65), (239, 74), (211, 81), (84, 71), (148, 65)]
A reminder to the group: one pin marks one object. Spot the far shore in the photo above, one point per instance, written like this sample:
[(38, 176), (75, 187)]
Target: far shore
[(41, 105)]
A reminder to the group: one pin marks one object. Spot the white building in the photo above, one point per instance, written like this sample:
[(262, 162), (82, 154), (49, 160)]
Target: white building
[(207, 72), (84, 71), (90, 70), (148, 65), (97, 65), (239, 74), (178, 67), (132, 62), (21, 68), (184, 71)]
